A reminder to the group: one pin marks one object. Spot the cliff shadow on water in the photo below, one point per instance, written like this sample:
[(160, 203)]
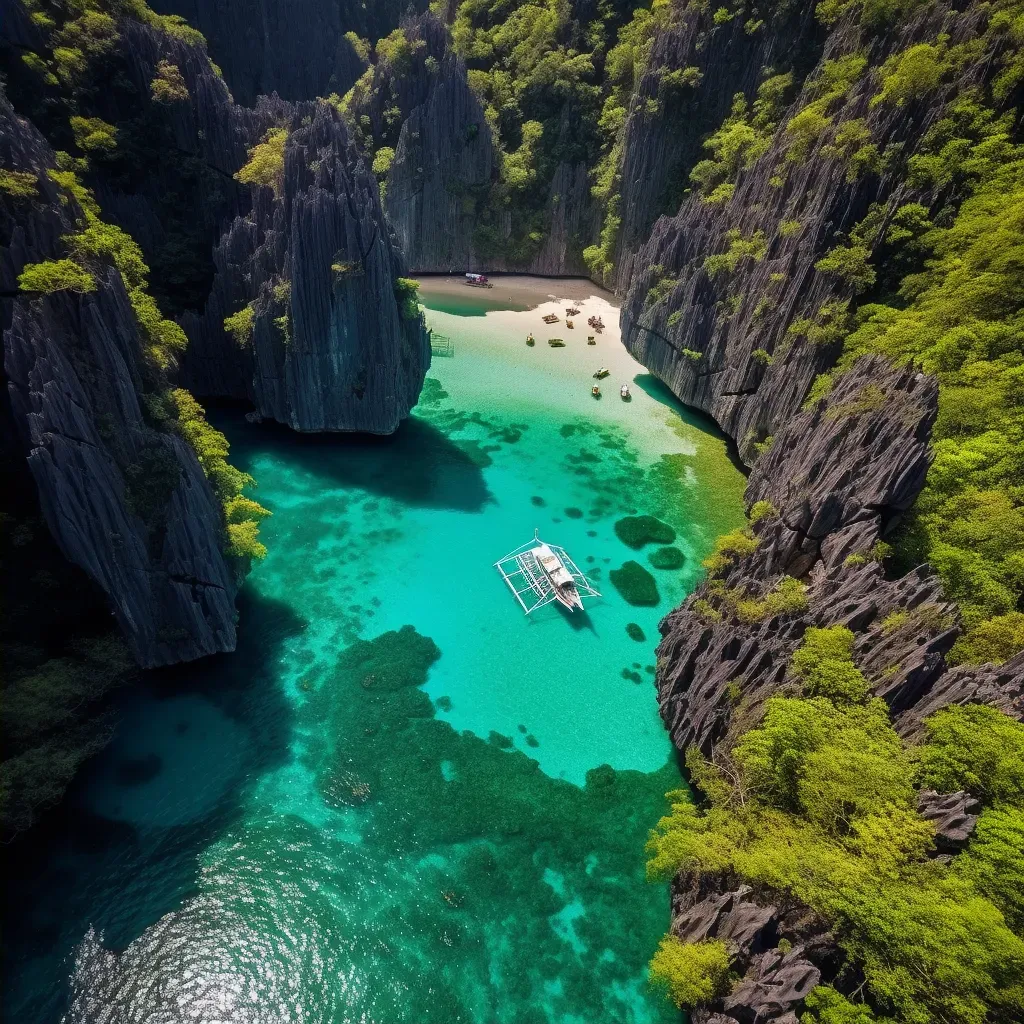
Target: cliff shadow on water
[(120, 850), (418, 465)]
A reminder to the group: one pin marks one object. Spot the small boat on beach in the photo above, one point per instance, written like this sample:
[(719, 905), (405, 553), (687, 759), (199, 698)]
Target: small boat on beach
[(595, 391), (602, 373), (568, 323), (478, 281), (573, 311), (624, 393), (550, 318)]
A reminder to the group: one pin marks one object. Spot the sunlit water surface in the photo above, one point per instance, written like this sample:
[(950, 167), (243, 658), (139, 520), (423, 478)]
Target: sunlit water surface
[(401, 800)]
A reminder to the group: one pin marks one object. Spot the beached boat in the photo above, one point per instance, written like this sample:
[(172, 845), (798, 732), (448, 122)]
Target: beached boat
[(595, 391), (550, 318), (572, 311), (624, 393), (602, 373), (478, 281)]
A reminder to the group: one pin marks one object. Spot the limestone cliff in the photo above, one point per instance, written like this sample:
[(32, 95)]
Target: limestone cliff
[(838, 476), (333, 343), (296, 48), (744, 340), (443, 181), (125, 497)]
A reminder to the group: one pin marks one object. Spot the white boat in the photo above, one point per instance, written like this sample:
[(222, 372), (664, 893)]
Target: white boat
[(561, 579), (624, 392)]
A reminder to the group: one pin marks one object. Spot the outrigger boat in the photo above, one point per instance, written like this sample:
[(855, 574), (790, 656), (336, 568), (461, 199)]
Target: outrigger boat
[(538, 573), (602, 373), (550, 318), (572, 311)]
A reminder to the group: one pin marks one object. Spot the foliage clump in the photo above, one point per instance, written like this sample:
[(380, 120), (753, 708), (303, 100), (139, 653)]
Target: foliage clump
[(168, 85), (240, 325), (692, 972), (407, 292), (51, 276), (265, 166)]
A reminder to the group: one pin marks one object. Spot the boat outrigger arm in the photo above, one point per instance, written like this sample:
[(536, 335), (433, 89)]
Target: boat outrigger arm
[(538, 573)]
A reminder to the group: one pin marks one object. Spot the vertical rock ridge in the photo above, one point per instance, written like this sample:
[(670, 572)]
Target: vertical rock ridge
[(332, 345), (125, 500)]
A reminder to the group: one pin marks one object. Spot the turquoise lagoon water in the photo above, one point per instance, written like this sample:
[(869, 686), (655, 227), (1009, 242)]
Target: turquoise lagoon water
[(401, 799)]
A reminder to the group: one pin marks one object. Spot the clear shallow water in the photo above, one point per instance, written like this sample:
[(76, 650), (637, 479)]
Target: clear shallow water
[(401, 799)]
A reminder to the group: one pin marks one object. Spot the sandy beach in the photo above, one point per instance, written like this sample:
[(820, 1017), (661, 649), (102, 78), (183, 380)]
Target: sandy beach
[(512, 291)]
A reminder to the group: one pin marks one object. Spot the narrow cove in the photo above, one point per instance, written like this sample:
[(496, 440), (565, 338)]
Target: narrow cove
[(401, 799)]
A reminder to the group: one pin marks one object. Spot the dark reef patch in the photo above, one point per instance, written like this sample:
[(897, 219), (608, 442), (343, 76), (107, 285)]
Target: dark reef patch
[(636, 531), (667, 558), (635, 584)]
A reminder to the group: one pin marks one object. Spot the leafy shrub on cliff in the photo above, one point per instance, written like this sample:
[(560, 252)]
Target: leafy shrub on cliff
[(692, 972), (265, 166), (407, 291), (168, 86), (242, 515), (19, 184), (240, 325), (52, 276), (741, 249), (93, 134), (824, 664), (728, 547)]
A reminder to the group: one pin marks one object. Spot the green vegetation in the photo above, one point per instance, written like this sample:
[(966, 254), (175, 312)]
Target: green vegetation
[(634, 632), (240, 325), (728, 547), (817, 800), (18, 184), (265, 166), (168, 86), (636, 531), (407, 293), (743, 138), (960, 318), (740, 249), (693, 972), (55, 276), (93, 135)]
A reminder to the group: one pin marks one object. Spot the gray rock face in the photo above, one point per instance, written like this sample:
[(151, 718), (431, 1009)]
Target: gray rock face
[(953, 816), (723, 341), (446, 164), (659, 150), (445, 156), (775, 983), (296, 48), (125, 500), (331, 348)]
